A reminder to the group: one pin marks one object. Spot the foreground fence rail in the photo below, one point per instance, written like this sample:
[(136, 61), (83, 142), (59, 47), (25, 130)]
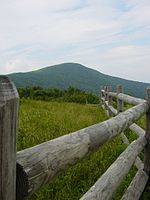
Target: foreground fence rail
[(38, 165)]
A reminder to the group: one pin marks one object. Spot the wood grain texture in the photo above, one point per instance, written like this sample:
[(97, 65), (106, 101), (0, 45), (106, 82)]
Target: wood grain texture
[(8, 128), (137, 129), (105, 187), (136, 187), (110, 102), (105, 106), (127, 98), (138, 163), (119, 101), (134, 127), (105, 93), (113, 94), (110, 99), (112, 110), (43, 162)]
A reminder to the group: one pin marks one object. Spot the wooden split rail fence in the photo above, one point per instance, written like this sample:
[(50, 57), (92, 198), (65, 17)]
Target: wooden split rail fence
[(23, 173)]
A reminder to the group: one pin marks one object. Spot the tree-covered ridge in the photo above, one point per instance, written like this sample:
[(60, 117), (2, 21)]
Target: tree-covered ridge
[(78, 76), (54, 94)]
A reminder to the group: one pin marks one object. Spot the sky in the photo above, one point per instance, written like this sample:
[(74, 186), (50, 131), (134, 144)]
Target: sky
[(111, 36)]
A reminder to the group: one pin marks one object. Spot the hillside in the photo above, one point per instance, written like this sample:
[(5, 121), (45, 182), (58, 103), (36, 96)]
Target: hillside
[(76, 75)]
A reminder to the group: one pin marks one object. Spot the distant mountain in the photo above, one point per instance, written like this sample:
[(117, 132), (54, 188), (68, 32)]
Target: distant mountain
[(78, 76)]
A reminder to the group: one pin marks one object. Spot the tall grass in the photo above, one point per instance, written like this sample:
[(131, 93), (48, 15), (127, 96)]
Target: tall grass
[(41, 121)]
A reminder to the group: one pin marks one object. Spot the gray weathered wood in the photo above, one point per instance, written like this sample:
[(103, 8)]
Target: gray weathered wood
[(110, 102), (127, 98), (119, 101), (8, 128), (138, 163), (106, 108), (113, 94), (136, 187), (109, 97), (109, 109), (42, 162), (137, 129), (124, 139), (105, 187), (133, 127), (103, 102), (105, 91), (147, 135), (112, 110)]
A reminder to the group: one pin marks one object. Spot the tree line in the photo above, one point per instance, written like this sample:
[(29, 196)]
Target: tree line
[(54, 94)]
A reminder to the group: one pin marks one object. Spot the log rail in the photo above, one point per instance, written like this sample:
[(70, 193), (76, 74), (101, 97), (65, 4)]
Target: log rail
[(30, 169)]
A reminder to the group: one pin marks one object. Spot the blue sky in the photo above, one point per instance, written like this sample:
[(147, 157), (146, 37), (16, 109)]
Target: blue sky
[(111, 36)]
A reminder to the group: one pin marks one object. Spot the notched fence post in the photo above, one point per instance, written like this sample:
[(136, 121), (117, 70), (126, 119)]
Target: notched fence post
[(8, 127), (105, 93), (119, 102), (110, 97)]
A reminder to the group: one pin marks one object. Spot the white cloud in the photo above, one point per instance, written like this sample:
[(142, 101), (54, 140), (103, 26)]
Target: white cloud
[(131, 62), (37, 33), (21, 63), (127, 52)]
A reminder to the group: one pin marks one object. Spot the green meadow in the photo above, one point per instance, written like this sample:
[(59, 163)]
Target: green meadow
[(40, 121)]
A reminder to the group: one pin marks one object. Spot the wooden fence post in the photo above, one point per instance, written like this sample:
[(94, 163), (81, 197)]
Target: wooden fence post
[(119, 102), (147, 135), (105, 95), (8, 126), (106, 99), (110, 101), (101, 95), (109, 97)]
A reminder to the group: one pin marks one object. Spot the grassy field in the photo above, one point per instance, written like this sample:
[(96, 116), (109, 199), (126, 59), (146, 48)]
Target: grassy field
[(40, 121)]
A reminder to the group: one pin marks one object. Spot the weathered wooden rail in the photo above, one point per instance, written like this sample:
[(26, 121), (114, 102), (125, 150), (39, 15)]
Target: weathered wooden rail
[(24, 172)]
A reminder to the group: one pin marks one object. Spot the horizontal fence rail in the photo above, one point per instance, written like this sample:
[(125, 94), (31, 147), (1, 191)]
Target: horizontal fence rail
[(137, 186), (42, 162), (139, 182), (134, 127), (126, 98), (105, 187)]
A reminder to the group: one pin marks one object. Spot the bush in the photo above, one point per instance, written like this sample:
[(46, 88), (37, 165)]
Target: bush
[(53, 94)]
